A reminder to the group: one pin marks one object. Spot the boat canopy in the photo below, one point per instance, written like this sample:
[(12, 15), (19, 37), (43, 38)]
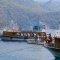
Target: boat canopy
[(29, 31), (39, 25)]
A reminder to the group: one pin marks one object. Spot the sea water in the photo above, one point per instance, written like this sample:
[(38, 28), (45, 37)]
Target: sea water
[(23, 51)]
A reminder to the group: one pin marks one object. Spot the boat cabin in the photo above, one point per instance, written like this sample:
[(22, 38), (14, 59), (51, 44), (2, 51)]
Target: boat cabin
[(57, 42), (23, 35)]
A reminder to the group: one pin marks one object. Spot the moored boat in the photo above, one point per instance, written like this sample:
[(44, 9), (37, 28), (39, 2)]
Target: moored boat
[(54, 48), (54, 51), (12, 36), (22, 36), (28, 35)]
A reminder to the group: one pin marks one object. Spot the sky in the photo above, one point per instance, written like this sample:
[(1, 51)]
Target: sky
[(41, 0), (44, 1)]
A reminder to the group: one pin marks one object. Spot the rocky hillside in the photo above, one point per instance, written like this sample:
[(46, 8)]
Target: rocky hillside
[(26, 12)]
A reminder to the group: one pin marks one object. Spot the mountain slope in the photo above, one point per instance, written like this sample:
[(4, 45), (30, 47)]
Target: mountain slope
[(53, 5), (18, 11)]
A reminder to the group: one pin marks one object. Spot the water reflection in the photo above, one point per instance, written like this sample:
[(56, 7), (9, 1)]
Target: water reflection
[(23, 51)]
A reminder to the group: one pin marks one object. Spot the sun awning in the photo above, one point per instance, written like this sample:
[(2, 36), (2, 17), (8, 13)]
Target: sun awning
[(39, 25)]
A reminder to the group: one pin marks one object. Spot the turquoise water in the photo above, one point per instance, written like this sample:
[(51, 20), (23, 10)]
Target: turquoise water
[(23, 51)]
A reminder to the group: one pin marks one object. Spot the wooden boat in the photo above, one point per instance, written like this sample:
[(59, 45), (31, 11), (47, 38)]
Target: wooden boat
[(55, 48), (21, 36), (12, 36)]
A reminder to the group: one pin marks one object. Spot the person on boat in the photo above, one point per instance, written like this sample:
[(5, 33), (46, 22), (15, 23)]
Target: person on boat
[(37, 38), (48, 39)]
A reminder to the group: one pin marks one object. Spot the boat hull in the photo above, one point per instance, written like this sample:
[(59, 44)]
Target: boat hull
[(12, 39), (55, 52), (32, 41)]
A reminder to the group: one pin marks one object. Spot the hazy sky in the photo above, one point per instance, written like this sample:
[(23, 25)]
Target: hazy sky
[(43, 1)]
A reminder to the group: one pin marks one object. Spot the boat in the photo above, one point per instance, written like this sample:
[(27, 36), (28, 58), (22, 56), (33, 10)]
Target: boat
[(12, 36), (54, 45), (54, 48), (29, 37)]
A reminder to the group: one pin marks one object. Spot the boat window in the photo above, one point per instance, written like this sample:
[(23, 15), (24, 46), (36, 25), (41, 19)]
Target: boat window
[(21, 34), (18, 34), (13, 33), (28, 34), (25, 34), (34, 34)]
